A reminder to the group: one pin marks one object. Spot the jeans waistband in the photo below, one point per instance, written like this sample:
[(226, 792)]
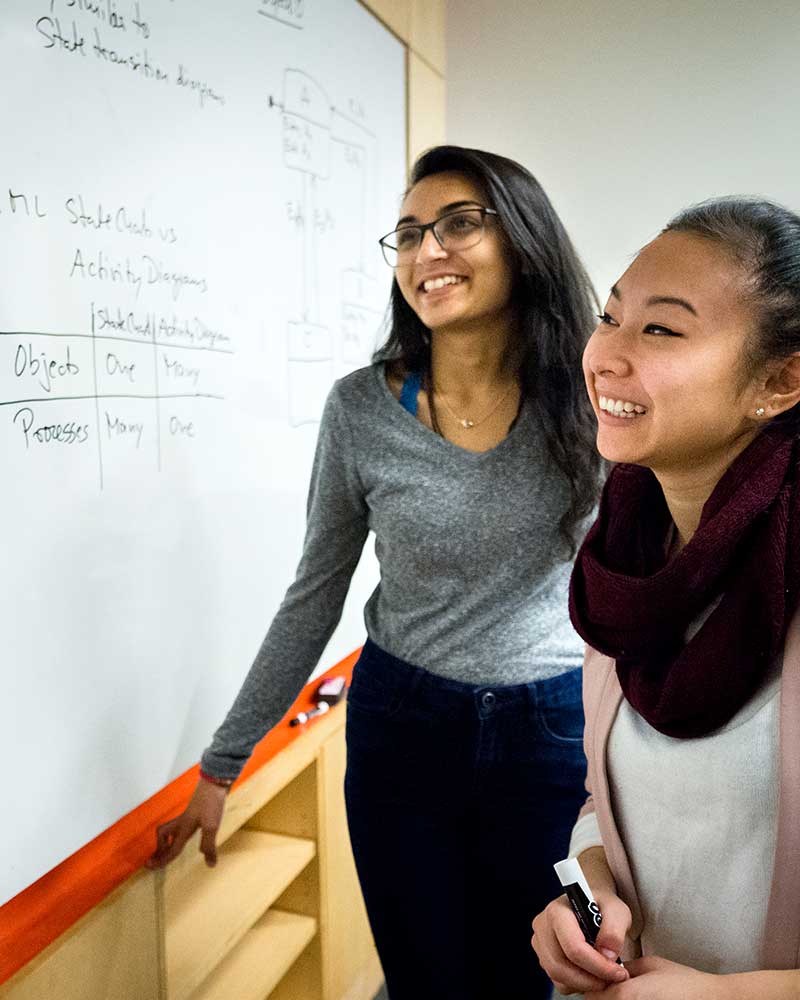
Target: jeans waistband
[(563, 688)]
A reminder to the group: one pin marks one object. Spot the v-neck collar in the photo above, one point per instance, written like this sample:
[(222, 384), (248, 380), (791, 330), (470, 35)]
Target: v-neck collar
[(400, 413)]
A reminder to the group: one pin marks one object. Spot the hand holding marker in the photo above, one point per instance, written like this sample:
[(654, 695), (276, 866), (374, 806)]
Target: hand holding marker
[(587, 912), (328, 693)]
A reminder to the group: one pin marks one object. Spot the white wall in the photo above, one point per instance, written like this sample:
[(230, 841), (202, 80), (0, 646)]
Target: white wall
[(628, 110)]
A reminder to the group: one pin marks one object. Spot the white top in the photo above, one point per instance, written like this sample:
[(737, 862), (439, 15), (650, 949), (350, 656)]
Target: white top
[(698, 818)]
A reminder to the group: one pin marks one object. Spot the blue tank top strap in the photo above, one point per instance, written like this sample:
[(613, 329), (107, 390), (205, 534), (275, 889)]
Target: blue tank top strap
[(410, 391)]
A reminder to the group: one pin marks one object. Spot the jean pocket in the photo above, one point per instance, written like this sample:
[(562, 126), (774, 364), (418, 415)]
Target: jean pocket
[(560, 711), (376, 693)]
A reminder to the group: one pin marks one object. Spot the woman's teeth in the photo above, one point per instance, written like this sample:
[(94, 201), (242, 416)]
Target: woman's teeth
[(448, 279), (620, 407)]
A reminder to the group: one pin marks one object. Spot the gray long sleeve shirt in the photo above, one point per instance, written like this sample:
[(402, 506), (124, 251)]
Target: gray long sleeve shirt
[(473, 571)]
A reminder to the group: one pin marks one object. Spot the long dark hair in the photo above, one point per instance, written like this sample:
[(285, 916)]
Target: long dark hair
[(555, 307), (764, 240)]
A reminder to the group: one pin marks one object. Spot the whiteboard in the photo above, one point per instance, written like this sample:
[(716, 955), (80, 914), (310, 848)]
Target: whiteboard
[(190, 195)]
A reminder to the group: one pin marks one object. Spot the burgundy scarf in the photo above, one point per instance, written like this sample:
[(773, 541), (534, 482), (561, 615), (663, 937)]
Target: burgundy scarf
[(629, 603)]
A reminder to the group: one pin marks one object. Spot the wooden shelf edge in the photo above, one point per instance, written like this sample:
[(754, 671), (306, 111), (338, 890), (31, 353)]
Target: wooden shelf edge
[(261, 959), (206, 917)]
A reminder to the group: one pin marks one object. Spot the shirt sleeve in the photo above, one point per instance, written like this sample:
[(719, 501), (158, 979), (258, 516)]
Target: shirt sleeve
[(585, 834), (586, 831), (336, 529)]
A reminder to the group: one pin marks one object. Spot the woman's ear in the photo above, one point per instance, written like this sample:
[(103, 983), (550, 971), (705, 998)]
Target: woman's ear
[(781, 388)]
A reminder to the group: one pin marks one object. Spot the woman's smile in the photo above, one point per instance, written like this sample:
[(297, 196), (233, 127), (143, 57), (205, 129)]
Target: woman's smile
[(619, 409)]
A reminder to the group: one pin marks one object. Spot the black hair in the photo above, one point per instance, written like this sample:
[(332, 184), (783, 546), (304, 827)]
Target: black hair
[(555, 307), (764, 240)]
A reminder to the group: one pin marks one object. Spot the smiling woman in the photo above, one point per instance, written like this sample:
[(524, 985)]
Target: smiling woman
[(467, 447), (687, 591), (462, 282)]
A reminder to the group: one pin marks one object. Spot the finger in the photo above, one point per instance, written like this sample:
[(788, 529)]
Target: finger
[(208, 846), (160, 857), (168, 853), (616, 924), (174, 838), (582, 955), (156, 858), (165, 832), (610, 939), (164, 835), (568, 977)]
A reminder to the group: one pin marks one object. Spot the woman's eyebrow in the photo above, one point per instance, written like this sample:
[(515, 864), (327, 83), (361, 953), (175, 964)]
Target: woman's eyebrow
[(452, 207), (660, 300), (671, 300)]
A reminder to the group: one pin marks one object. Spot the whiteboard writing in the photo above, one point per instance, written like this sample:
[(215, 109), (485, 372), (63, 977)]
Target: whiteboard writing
[(188, 219), (288, 12), (78, 28)]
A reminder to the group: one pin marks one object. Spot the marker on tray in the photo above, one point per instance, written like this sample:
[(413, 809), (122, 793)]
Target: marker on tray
[(587, 912), (302, 717), (329, 692)]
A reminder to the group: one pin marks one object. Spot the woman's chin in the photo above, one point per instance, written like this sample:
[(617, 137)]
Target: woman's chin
[(441, 316), (617, 451)]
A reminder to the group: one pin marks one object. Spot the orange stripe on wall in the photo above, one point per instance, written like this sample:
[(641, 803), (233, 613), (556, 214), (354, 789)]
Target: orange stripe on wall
[(38, 915)]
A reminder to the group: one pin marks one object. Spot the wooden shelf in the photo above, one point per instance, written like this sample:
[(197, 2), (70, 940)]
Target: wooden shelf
[(210, 913), (279, 918), (261, 959)]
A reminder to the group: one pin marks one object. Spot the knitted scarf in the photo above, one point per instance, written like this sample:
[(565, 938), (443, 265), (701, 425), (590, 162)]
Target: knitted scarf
[(629, 602)]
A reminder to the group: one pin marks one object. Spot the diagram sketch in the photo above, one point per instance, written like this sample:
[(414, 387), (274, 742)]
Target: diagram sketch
[(325, 145)]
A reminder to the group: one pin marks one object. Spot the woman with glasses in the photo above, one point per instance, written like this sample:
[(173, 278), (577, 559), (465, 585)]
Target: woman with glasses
[(467, 448)]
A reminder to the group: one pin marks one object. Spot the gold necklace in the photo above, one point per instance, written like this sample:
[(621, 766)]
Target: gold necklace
[(466, 422)]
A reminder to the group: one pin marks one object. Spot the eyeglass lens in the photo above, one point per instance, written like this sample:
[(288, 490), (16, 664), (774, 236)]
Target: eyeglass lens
[(456, 231)]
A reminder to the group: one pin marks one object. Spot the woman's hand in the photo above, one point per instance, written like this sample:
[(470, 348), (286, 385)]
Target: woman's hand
[(204, 811), (569, 960), (654, 978)]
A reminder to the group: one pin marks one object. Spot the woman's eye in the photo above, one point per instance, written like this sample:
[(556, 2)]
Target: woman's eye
[(407, 238), (606, 319), (661, 331), (460, 224)]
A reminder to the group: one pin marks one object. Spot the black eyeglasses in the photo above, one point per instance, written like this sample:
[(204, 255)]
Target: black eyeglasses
[(453, 231)]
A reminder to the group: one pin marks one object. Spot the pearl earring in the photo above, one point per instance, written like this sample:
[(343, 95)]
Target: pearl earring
[(760, 411)]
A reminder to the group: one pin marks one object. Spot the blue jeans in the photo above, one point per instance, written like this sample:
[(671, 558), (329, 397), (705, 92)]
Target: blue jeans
[(459, 800)]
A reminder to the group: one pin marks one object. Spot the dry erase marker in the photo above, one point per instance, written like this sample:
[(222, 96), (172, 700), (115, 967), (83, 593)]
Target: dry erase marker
[(302, 717), (587, 912)]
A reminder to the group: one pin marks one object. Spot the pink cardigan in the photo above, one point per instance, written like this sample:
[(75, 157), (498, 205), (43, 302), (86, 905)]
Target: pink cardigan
[(602, 696)]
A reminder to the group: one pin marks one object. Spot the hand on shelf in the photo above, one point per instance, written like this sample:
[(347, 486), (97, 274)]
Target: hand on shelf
[(203, 812)]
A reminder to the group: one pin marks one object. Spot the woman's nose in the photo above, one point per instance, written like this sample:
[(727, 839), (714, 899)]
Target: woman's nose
[(430, 248), (607, 353)]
